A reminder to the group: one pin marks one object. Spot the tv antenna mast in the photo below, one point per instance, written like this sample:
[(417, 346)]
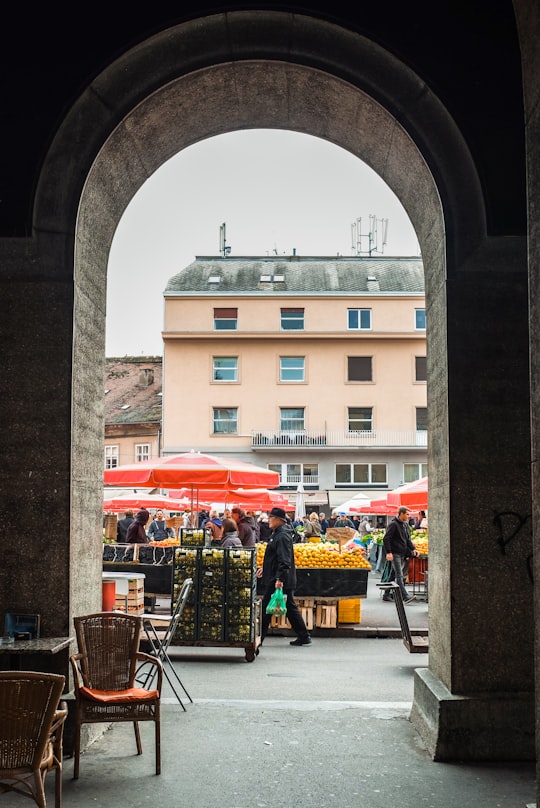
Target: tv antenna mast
[(376, 241), (223, 248)]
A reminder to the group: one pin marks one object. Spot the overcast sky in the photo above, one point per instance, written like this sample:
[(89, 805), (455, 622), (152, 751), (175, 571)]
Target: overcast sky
[(276, 192)]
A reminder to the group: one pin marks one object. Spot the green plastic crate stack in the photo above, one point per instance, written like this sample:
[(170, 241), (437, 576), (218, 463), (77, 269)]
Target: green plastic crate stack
[(194, 537), (211, 599), (241, 590), (186, 565)]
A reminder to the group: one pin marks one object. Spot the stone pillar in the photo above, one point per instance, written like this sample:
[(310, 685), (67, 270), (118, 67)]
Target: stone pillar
[(476, 701), (50, 529)]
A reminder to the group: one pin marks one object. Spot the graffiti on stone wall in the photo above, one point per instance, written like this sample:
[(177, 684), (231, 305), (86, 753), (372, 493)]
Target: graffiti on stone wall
[(509, 525)]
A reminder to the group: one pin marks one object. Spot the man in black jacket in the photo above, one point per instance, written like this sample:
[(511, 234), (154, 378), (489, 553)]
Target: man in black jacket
[(399, 547), (279, 572)]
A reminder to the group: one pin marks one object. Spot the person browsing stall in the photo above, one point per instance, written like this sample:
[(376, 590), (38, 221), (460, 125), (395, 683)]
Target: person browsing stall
[(244, 527), (136, 533), (158, 530), (279, 572), (122, 526), (229, 534)]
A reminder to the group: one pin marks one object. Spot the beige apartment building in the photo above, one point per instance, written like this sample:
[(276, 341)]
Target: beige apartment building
[(315, 367)]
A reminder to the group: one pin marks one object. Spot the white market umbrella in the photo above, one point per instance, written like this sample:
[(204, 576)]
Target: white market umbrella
[(299, 511)]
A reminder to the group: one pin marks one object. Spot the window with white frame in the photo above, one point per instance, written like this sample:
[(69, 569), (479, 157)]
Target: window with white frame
[(295, 473), (225, 319), (361, 474), (225, 420), (359, 319), (225, 369), (360, 419), (292, 369), (292, 319), (142, 452), (111, 457), (291, 419), (414, 471), (359, 369), (420, 368), (420, 319)]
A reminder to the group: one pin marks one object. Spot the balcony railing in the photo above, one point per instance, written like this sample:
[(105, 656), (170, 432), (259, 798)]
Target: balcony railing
[(337, 439)]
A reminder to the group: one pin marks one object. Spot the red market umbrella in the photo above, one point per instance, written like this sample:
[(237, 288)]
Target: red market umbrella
[(413, 495), (256, 499), (378, 507), (131, 500), (192, 470)]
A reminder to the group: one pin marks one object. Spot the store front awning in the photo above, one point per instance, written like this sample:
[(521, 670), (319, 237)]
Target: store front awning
[(311, 498), (338, 497)]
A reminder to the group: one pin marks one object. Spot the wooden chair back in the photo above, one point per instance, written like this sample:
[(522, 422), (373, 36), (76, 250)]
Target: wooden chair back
[(30, 732), (108, 642)]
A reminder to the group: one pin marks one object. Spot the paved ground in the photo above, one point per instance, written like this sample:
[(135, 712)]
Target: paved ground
[(312, 727)]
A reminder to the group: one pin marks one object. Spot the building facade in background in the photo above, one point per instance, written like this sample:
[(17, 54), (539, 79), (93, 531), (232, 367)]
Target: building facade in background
[(133, 409), (315, 367)]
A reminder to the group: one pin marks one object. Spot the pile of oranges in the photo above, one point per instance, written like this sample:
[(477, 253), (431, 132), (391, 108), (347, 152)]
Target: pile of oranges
[(325, 555), (165, 543)]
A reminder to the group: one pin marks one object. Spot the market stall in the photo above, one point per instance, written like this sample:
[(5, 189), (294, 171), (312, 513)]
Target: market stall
[(331, 580)]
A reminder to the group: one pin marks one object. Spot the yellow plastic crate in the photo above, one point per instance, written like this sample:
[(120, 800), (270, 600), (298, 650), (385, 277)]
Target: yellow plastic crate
[(349, 611)]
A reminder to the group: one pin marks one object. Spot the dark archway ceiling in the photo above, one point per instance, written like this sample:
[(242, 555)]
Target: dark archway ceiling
[(467, 53)]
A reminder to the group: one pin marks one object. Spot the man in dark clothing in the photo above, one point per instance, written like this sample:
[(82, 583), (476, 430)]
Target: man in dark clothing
[(343, 520), (122, 526), (136, 533), (279, 572), (244, 526), (398, 548)]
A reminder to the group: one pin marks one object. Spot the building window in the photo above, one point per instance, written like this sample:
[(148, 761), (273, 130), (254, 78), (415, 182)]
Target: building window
[(420, 319), (359, 319), (225, 369), (292, 319), (295, 473), (420, 368), (225, 420), (421, 419), (360, 419), (292, 369), (142, 452), (414, 471), (359, 369), (111, 457), (225, 319), (361, 474), (291, 419)]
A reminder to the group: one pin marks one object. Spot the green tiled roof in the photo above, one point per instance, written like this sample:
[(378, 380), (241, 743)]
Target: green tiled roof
[(295, 275)]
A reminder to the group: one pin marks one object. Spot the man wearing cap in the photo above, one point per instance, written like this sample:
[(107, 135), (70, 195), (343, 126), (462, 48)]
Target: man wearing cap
[(343, 521), (279, 572)]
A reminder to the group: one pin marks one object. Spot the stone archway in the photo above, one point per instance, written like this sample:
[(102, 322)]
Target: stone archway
[(271, 70)]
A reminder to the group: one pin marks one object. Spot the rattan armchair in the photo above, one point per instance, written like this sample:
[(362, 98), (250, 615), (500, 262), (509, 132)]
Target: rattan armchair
[(104, 671), (31, 726)]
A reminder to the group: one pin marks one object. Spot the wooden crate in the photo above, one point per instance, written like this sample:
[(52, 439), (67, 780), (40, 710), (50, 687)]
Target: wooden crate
[(306, 607), (111, 526), (326, 614), (279, 621), (350, 610)]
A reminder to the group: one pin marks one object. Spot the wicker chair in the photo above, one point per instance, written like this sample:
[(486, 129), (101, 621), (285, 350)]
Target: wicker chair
[(104, 672), (31, 726)]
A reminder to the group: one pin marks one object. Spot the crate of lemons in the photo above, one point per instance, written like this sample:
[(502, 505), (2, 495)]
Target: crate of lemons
[(325, 555)]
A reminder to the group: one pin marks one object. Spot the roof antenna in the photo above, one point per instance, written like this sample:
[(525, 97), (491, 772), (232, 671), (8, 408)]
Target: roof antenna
[(376, 242), (223, 248)]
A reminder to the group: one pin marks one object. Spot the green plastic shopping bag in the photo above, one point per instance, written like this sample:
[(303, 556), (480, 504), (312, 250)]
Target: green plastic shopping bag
[(277, 603)]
